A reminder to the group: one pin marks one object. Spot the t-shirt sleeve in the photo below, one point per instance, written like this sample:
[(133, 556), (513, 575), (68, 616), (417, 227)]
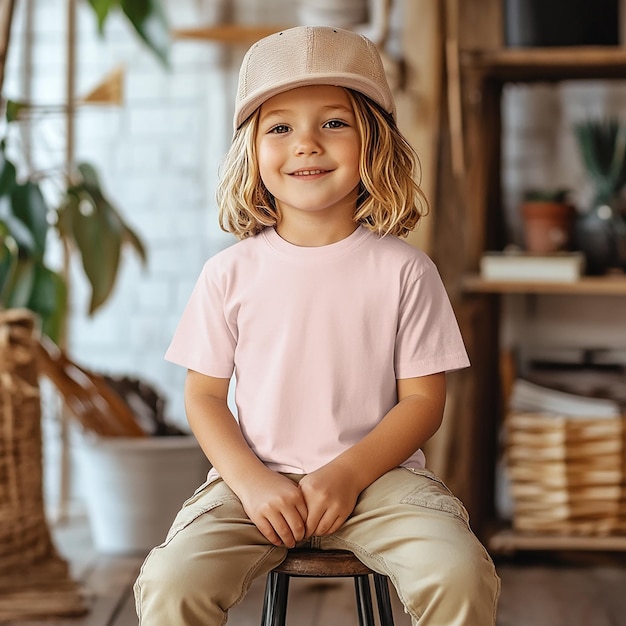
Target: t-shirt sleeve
[(204, 340), (428, 339)]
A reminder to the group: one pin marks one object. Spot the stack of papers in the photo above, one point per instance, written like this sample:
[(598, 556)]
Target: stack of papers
[(532, 398)]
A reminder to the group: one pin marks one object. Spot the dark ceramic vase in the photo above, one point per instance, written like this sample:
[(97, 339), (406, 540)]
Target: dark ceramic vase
[(561, 23), (600, 235)]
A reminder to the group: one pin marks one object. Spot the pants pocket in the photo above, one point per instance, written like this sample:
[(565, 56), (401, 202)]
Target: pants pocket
[(433, 493), (201, 502)]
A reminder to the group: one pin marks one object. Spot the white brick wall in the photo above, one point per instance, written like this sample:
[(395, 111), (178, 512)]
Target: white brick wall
[(157, 155)]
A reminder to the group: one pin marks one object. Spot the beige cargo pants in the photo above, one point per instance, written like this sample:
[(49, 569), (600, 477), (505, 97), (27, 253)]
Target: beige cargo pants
[(406, 525)]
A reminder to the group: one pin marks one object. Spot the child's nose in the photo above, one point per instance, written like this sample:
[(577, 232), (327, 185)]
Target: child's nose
[(307, 143)]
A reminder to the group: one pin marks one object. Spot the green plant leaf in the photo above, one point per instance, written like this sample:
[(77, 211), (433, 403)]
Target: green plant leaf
[(147, 17), (94, 225), (602, 145), (11, 217), (30, 208), (97, 232), (130, 237), (48, 299), (7, 175), (89, 176), (618, 166), (92, 184), (149, 20), (15, 108), (8, 263), (20, 286), (101, 9), (16, 228)]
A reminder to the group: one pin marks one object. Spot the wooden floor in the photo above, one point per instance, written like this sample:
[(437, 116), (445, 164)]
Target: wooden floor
[(537, 590)]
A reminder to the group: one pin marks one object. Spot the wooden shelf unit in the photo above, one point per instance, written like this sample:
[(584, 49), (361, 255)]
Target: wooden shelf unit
[(508, 541), (483, 76), (587, 286), (548, 64)]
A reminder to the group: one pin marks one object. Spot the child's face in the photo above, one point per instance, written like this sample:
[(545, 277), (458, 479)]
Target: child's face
[(308, 150)]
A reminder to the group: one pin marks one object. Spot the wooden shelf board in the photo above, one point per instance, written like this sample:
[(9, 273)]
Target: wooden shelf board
[(509, 541), (609, 285), (227, 33), (553, 64)]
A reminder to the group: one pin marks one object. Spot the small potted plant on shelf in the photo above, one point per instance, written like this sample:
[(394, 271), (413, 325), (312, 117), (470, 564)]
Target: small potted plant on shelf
[(548, 217), (601, 228)]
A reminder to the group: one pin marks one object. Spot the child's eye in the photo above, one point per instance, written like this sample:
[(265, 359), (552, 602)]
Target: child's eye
[(279, 129), (335, 124)]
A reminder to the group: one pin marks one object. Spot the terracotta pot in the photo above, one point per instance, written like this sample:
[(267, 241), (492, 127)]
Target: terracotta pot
[(547, 226)]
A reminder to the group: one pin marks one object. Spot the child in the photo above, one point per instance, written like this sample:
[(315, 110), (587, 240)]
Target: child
[(339, 335)]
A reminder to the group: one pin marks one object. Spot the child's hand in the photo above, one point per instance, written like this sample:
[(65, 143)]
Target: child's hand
[(277, 507), (330, 495)]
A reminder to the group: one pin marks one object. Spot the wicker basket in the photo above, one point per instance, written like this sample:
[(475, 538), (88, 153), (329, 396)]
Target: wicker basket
[(567, 474), (35, 580)]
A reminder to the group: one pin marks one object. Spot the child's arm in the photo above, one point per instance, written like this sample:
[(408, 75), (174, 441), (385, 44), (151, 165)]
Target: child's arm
[(274, 503), (331, 491)]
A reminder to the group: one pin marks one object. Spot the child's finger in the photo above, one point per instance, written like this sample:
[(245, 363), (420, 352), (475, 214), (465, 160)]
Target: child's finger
[(283, 529), (312, 521), (295, 523), (327, 524), (267, 530)]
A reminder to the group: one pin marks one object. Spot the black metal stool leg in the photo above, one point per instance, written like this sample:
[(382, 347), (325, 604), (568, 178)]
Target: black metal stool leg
[(334, 564), (282, 593), (269, 600), (383, 600), (364, 600)]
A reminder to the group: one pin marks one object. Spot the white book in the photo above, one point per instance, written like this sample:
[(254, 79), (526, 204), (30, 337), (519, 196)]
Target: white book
[(529, 397), (521, 266)]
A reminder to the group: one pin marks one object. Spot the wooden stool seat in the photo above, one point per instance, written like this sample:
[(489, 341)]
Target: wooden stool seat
[(311, 563), (322, 563)]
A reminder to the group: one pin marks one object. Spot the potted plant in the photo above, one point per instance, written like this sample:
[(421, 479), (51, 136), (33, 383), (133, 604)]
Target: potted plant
[(85, 221), (135, 467), (548, 217), (139, 479), (601, 229)]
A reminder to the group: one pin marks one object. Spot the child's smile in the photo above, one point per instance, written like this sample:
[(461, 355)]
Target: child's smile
[(308, 150), (308, 173)]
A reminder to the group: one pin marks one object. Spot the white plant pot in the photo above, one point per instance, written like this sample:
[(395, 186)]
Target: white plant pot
[(132, 488)]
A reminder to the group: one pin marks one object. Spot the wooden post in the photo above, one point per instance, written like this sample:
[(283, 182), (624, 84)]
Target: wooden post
[(6, 17), (70, 79), (477, 391), (65, 470), (419, 102)]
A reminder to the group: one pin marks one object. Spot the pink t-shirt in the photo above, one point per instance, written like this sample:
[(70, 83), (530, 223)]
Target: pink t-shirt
[(316, 338)]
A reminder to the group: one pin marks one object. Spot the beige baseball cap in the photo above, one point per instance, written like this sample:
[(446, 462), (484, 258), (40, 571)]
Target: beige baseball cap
[(310, 55)]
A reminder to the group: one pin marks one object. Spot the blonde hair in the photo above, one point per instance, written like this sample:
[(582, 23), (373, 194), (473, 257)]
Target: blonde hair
[(390, 201)]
